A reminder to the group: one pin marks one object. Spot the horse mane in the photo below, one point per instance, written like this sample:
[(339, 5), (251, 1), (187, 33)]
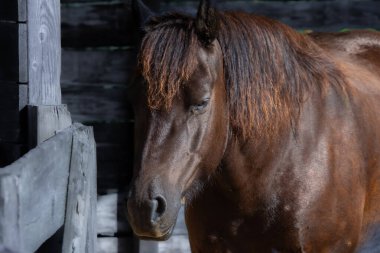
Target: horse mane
[(269, 68)]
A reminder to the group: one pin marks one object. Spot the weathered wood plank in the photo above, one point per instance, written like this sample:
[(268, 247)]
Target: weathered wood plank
[(95, 25), (96, 102), (79, 232), (115, 245), (22, 53), (91, 241), (22, 96), (81, 25), (25, 206), (45, 121), (101, 66), (44, 46)]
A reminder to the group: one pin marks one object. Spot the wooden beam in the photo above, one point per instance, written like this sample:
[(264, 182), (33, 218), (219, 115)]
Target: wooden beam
[(33, 194), (79, 230), (44, 47), (45, 121)]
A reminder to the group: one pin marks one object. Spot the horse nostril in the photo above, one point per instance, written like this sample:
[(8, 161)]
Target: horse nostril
[(159, 207)]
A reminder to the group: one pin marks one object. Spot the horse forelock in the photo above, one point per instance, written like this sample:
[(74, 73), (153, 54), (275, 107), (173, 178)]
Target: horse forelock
[(268, 68), (167, 57)]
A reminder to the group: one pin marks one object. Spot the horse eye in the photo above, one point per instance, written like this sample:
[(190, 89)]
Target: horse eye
[(199, 108)]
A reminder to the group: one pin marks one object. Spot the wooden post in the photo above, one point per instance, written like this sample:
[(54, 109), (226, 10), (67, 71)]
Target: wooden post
[(33, 194), (44, 47), (45, 121), (46, 114), (79, 231)]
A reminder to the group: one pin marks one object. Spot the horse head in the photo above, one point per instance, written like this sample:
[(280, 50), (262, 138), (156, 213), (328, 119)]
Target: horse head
[(181, 118)]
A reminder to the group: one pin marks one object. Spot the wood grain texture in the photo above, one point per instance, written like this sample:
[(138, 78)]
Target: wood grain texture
[(100, 24), (79, 230), (22, 53), (33, 194), (44, 46), (45, 121), (96, 102), (97, 66)]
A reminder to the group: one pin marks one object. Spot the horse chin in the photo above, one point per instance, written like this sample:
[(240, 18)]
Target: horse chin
[(163, 237)]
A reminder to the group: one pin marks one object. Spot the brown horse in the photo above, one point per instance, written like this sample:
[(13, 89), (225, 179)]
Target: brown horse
[(271, 137)]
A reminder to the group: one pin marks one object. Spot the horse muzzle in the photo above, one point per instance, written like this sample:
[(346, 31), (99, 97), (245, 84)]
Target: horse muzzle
[(151, 219)]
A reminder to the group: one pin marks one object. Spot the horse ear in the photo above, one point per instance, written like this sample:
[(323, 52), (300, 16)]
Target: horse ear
[(141, 13), (206, 23)]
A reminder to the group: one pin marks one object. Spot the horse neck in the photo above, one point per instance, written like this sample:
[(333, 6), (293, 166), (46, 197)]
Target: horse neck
[(246, 162)]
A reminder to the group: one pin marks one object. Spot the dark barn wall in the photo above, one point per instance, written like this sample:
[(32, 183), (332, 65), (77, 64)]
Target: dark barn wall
[(98, 58)]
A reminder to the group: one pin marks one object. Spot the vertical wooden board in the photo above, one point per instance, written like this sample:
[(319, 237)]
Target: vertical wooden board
[(41, 178), (22, 53), (44, 47), (22, 15), (9, 52), (9, 213), (22, 96), (45, 121), (91, 241), (95, 24), (79, 230)]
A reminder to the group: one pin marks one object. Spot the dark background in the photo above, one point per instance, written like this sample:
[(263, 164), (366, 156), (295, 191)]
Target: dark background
[(98, 57)]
